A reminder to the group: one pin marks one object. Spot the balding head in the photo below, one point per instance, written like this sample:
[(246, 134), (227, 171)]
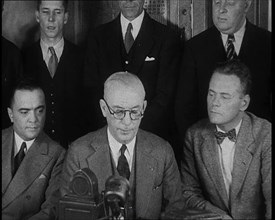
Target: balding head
[(123, 105), (124, 81)]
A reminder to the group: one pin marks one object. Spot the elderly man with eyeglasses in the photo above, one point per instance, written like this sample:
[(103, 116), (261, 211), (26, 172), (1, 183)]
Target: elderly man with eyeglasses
[(121, 148)]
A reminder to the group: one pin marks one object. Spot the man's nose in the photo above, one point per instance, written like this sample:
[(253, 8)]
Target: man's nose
[(127, 119)]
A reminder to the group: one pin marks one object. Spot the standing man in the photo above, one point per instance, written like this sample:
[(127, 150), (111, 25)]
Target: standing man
[(57, 64), (11, 72), (231, 36), (31, 161), (136, 43), (226, 167), (121, 148)]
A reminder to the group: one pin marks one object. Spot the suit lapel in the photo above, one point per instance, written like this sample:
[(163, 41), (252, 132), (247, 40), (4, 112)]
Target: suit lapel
[(33, 164), (143, 44), (146, 167), (210, 157), (99, 161), (243, 156), (7, 146)]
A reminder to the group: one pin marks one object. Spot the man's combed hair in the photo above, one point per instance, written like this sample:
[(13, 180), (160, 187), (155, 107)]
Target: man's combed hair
[(65, 4), (25, 83), (239, 69)]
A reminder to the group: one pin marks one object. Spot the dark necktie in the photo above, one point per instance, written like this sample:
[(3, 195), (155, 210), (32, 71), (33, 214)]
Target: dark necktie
[(53, 61), (19, 157), (123, 166), (129, 39), (230, 134), (230, 52)]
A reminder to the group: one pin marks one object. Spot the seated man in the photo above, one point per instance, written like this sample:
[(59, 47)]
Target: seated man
[(226, 167), (30, 173), (151, 167)]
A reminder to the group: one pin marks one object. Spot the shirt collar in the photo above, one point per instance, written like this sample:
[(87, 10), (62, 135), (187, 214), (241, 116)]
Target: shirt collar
[(58, 47), (237, 35), (136, 24), (115, 145), (237, 128), (19, 141)]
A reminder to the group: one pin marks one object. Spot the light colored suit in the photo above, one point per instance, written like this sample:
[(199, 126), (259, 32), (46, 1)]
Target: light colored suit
[(30, 193), (203, 184), (157, 174)]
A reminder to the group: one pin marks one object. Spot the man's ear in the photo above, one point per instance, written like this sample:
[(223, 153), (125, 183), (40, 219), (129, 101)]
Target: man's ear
[(66, 17), (37, 16), (103, 107), (247, 5), (10, 114), (245, 102), (144, 105)]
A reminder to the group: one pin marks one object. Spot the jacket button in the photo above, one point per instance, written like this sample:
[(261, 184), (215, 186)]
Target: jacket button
[(28, 197)]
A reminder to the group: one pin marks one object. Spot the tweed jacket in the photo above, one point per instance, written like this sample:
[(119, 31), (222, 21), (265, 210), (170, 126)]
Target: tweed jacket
[(203, 184), (157, 174), (30, 194)]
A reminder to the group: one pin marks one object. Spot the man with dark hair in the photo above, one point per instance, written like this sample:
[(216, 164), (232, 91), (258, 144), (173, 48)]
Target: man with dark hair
[(226, 164), (232, 36), (11, 72), (31, 161), (57, 64)]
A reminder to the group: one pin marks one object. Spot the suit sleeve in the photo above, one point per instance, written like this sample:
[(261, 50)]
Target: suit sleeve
[(191, 183), (266, 174), (49, 207), (172, 191), (159, 108), (186, 103)]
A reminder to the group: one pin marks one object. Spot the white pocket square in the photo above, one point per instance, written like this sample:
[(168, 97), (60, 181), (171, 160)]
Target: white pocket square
[(41, 176), (149, 58)]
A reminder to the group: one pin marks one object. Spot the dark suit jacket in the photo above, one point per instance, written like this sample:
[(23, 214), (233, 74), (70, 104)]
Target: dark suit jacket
[(11, 72), (201, 54), (30, 194), (65, 112), (157, 174), (106, 54), (203, 184)]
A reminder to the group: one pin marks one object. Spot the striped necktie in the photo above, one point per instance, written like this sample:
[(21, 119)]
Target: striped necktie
[(230, 51)]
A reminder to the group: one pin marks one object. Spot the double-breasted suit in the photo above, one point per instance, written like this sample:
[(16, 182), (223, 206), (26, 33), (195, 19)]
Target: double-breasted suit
[(203, 184), (154, 58), (201, 55), (31, 193), (157, 175), (65, 112)]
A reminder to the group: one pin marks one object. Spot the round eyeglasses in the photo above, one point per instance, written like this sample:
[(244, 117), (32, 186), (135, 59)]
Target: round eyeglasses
[(120, 114)]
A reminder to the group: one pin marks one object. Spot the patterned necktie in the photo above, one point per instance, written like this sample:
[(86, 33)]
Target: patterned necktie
[(19, 157), (129, 39), (230, 134), (53, 62), (123, 166), (230, 52)]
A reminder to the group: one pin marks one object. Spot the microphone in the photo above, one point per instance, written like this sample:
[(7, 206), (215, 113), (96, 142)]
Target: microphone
[(82, 201), (117, 192)]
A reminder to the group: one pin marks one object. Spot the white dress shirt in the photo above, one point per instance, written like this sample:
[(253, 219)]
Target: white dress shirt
[(58, 47), (136, 24), (18, 143), (226, 156), (238, 39), (115, 149)]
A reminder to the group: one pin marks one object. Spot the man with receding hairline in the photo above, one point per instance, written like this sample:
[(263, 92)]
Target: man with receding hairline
[(151, 167)]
